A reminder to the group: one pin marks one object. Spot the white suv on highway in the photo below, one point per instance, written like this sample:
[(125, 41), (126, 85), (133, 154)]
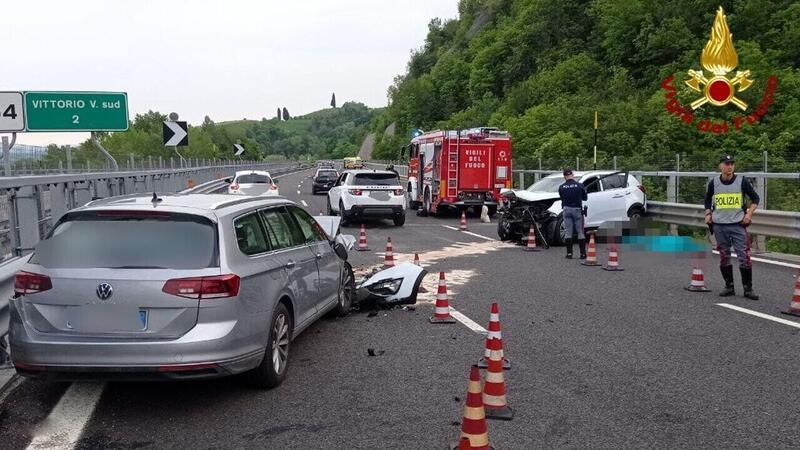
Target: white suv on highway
[(368, 193), (253, 182)]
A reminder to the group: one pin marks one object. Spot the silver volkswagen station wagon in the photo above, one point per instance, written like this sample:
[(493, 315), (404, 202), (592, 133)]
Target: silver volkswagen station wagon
[(178, 286)]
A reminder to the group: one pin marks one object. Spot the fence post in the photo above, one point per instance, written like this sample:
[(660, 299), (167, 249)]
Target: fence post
[(171, 162), (160, 162), (677, 179), (150, 160), (27, 208), (522, 180), (69, 158), (763, 204), (760, 242), (577, 163), (615, 163), (672, 197)]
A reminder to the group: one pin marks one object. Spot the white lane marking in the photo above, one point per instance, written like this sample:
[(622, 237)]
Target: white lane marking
[(63, 427), (761, 315), (469, 323), (304, 203), (469, 233), (768, 261)]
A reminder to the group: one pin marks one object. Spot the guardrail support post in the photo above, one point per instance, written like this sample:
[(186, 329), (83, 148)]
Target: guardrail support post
[(672, 196), (27, 210), (522, 180)]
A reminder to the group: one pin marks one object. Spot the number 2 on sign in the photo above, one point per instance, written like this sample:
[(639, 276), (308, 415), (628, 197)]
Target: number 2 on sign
[(76, 119)]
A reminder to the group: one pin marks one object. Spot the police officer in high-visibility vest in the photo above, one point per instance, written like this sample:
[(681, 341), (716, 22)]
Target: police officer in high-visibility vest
[(727, 213)]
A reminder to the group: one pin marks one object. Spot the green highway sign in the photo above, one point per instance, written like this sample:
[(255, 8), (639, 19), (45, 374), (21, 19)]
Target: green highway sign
[(76, 111)]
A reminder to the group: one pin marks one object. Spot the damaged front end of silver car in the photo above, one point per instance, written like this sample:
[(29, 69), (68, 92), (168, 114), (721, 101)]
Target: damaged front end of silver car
[(397, 285)]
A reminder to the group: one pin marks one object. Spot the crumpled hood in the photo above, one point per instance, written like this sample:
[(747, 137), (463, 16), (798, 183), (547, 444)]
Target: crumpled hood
[(529, 196)]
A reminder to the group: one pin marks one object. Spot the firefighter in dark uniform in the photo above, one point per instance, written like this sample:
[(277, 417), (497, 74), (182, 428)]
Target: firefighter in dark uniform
[(729, 217), (572, 195)]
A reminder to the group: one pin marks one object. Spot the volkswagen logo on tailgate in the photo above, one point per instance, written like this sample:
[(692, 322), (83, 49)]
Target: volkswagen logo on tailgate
[(104, 291)]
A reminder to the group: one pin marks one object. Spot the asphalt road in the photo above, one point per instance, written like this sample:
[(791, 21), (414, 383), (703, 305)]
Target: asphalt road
[(600, 360)]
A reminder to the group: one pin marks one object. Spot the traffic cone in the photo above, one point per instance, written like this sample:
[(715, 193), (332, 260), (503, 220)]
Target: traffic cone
[(613, 260), (698, 283), (464, 444), (494, 389), (441, 313), (473, 423), (794, 306), (362, 240), (388, 258), (494, 333), (463, 225), (591, 253), (531, 247)]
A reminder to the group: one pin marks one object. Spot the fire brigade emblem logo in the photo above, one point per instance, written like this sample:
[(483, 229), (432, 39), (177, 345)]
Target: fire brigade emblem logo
[(719, 57)]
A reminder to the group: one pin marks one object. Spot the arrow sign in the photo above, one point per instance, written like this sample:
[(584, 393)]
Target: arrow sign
[(176, 134), (239, 149)]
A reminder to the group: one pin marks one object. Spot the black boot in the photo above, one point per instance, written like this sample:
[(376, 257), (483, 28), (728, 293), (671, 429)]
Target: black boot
[(747, 282), (568, 242), (727, 275), (582, 247)]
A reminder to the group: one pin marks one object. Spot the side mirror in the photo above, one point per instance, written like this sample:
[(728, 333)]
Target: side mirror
[(340, 250), (275, 180)]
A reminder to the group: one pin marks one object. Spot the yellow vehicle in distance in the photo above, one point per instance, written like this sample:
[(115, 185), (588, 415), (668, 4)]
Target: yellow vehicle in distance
[(353, 162)]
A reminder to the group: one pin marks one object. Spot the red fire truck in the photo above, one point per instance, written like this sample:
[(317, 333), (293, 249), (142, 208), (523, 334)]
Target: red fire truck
[(458, 169)]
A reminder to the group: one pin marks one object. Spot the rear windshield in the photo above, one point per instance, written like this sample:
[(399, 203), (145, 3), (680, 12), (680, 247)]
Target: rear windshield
[(253, 179), (126, 241), (327, 174), (376, 179)]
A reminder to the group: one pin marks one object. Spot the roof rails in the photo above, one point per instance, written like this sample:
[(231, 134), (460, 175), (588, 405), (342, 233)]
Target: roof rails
[(240, 201)]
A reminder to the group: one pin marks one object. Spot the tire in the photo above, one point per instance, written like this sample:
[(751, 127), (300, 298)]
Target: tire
[(313, 191), (635, 216), (330, 210), (558, 233), (492, 210), (503, 229), (347, 292), (272, 370), (411, 203), (399, 220), (344, 214), (424, 210)]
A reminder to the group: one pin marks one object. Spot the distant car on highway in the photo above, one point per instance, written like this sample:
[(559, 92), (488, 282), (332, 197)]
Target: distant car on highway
[(368, 193), (324, 179), (612, 197), (253, 182), (180, 287), (353, 163)]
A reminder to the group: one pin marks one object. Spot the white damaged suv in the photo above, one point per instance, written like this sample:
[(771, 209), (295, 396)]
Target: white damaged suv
[(368, 193)]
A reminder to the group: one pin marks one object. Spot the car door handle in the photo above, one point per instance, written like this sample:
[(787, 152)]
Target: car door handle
[(290, 264), (617, 196)]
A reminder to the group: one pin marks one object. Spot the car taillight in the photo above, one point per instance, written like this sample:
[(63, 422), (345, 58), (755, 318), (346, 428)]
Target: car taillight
[(643, 189), (203, 287), (355, 191), (234, 187), (31, 283), (398, 191), (274, 187)]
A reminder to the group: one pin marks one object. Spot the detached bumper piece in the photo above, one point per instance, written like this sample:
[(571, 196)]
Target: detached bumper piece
[(158, 373)]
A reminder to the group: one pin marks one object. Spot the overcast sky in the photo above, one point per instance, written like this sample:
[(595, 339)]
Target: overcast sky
[(229, 59)]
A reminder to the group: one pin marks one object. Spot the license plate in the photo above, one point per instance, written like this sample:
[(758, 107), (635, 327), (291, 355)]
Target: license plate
[(379, 195)]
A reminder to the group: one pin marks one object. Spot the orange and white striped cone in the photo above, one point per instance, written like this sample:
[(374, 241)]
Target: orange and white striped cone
[(463, 225), (591, 253), (494, 332), (794, 306), (362, 240), (473, 423), (494, 389), (464, 444), (388, 258), (531, 247), (441, 313), (613, 260), (698, 283)]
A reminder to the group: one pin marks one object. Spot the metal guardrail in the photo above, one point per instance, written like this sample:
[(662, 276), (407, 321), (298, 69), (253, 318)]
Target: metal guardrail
[(29, 206), (783, 224)]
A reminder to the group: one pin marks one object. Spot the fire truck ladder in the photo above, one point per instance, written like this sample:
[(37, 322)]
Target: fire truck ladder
[(452, 168)]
